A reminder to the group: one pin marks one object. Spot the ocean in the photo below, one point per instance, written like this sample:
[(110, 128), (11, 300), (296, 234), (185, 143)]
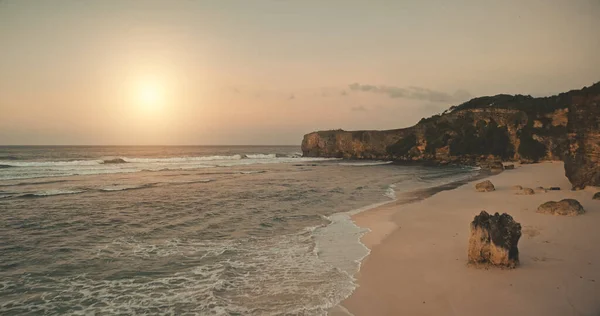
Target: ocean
[(191, 230)]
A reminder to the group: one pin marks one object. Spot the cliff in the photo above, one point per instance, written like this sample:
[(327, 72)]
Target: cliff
[(582, 163), (492, 128)]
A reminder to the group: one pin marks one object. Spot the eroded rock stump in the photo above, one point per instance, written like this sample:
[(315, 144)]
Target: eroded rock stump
[(493, 240)]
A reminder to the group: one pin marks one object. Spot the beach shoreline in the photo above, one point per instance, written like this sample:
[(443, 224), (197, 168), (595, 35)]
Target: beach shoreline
[(417, 260)]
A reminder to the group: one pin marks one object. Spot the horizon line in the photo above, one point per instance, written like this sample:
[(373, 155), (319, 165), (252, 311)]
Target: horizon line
[(100, 145)]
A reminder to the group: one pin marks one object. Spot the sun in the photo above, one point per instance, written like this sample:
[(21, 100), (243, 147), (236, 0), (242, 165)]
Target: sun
[(150, 94)]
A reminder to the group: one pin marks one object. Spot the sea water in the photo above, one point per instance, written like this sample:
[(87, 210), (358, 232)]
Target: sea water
[(224, 230)]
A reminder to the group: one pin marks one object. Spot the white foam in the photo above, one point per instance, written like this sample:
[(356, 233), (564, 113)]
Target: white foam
[(56, 192), (390, 192), (229, 279), (365, 163), (123, 187), (50, 163), (339, 244), (261, 156), (42, 169), (252, 172), (181, 159)]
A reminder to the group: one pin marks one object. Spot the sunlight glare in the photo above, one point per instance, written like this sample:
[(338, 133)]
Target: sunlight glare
[(150, 94)]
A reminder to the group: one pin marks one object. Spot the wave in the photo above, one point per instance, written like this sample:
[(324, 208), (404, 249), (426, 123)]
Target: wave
[(9, 163), (50, 193), (32, 183), (192, 181), (125, 187), (390, 192), (50, 163), (182, 159), (252, 172), (366, 163), (294, 155), (261, 156)]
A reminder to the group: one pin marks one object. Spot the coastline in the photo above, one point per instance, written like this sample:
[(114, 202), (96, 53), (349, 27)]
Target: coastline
[(356, 245), (417, 259)]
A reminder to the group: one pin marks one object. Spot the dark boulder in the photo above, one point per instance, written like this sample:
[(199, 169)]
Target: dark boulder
[(596, 196), (566, 207), (509, 167), (114, 161), (494, 240)]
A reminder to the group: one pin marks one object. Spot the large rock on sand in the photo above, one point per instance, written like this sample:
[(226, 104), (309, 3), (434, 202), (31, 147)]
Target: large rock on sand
[(596, 196), (566, 207), (485, 186), (493, 240)]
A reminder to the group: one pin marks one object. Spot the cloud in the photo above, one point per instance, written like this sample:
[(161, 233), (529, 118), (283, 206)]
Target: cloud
[(359, 108), (416, 93)]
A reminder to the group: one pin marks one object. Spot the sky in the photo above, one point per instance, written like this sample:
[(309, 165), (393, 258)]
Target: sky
[(183, 72)]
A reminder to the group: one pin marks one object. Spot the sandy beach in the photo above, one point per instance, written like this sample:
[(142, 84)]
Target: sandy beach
[(418, 259)]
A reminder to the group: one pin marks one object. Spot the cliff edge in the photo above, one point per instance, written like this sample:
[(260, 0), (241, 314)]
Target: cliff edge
[(502, 127)]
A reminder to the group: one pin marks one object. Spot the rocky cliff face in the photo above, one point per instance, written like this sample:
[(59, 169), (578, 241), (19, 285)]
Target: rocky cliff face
[(501, 127), (582, 163)]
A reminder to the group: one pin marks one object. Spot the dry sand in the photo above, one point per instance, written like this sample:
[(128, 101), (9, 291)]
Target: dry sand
[(418, 260)]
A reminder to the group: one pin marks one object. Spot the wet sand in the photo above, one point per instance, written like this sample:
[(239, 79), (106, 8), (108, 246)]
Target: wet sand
[(418, 259)]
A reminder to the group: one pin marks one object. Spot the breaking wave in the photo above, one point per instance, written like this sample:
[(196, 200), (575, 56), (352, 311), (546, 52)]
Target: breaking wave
[(365, 163), (50, 193), (124, 187), (50, 163)]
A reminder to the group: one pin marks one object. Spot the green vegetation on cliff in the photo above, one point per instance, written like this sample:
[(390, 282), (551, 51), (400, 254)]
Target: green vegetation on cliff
[(507, 127), (403, 146)]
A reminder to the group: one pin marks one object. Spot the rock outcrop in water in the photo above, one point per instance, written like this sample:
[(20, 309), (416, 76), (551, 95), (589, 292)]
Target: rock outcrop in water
[(485, 131), (493, 240)]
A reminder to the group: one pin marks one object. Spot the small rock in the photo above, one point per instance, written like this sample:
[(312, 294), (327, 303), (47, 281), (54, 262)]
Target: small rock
[(493, 240), (517, 187), (496, 166), (596, 196), (554, 188), (485, 186), (566, 207), (526, 191), (509, 167), (540, 190)]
